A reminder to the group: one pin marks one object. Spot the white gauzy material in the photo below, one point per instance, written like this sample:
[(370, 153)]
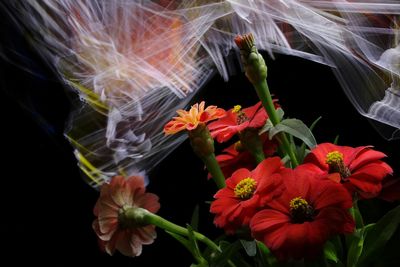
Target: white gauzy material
[(135, 62)]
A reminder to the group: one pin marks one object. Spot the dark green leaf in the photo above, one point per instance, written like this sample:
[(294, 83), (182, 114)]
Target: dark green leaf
[(193, 243), (315, 123), (296, 128), (338, 246), (302, 151), (330, 252), (265, 257), (268, 124), (228, 250), (195, 218), (378, 235), (357, 215), (355, 249), (181, 240), (336, 141), (250, 247)]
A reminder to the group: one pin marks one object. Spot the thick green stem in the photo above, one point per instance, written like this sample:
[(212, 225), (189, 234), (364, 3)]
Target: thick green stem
[(203, 146), (250, 139), (266, 99), (154, 219), (215, 170)]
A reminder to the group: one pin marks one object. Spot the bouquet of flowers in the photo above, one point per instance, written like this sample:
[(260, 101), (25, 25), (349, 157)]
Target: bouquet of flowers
[(278, 201), (280, 198)]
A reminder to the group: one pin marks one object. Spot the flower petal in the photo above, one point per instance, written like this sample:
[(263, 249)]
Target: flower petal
[(364, 157), (266, 168)]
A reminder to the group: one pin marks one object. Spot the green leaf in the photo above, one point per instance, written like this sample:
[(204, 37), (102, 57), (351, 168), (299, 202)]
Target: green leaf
[(330, 252), (193, 243), (181, 240), (357, 215), (378, 235), (268, 124), (265, 257), (336, 141), (337, 242), (195, 218), (355, 248), (296, 128), (250, 247), (302, 151), (228, 250), (315, 123)]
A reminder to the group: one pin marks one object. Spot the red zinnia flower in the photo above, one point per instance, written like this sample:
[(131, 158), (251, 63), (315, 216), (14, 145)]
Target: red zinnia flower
[(359, 169), (111, 225), (236, 157), (245, 192), (304, 217), (189, 120), (236, 120)]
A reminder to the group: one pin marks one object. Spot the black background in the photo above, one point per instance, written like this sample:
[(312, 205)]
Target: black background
[(46, 208)]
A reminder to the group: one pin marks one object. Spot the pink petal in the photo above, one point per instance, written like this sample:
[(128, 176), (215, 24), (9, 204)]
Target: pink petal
[(149, 202), (128, 244), (147, 234)]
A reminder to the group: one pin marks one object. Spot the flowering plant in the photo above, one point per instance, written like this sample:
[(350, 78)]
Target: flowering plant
[(281, 199)]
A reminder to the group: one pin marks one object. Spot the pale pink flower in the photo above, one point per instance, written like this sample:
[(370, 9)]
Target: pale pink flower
[(114, 230)]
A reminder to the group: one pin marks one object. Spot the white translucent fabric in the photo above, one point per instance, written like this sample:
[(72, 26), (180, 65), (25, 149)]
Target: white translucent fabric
[(135, 62)]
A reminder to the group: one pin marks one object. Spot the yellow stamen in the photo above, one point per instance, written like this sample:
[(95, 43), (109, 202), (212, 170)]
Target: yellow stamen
[(237, 108), (245, 188), (300, 210), (298, 203), (336, 164), (334, 157)]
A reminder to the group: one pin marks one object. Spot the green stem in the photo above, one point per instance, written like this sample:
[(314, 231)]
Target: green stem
[(258, 156), (154, 219), (251, 141), (357, 215), (266, 99), (215, 170)]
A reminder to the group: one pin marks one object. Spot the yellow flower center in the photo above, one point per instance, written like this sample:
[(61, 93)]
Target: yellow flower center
[(237, 108), (245, 188), (336, 164), (300, 210), (298, 203), (241, 117), (334, 157)]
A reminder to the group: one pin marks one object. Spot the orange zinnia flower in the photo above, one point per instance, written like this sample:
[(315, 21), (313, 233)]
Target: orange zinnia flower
[(189, 120)]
